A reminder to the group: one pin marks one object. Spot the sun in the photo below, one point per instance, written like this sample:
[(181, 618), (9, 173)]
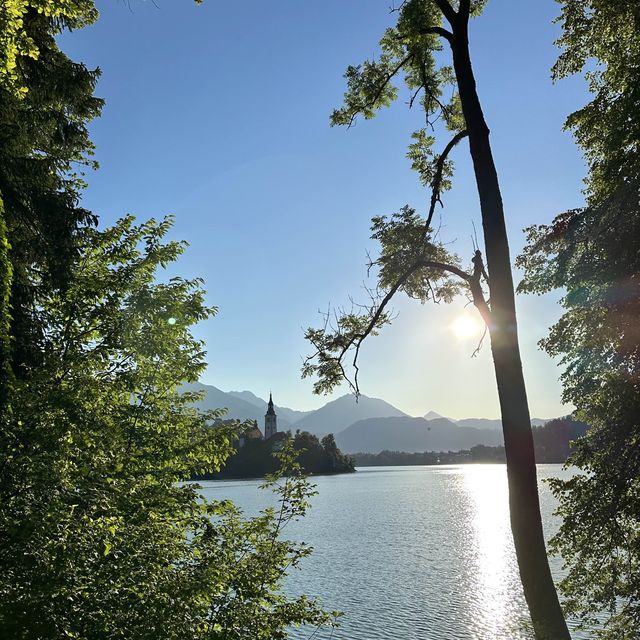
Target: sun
[(465, 326)]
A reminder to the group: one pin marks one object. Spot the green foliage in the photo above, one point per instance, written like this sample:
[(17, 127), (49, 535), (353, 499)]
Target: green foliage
[(332, 342), (6, 277), (556, 440), (410, 48), (593, 254), (317, 456), (602, 35), (403, 243), (18, 44), (600, 538), (258, 457), (99, 535), (411, 258), (43, 140)]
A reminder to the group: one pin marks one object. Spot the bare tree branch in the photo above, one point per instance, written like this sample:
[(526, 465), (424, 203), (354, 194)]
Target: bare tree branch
[(476, 288), (431, 96), (394, 9), (476, 351), (478, 266), (414, 95), (436, 31), (437, 179), (376, 311), (430, 264), (358, 339)]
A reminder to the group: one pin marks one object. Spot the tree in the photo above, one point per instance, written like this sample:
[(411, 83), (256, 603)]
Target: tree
[(593, 253), (100, 537), (412, 260), (19, 44), (46, 102)]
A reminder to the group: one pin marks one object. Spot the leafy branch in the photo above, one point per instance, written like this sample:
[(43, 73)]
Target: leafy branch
[(334, 341)]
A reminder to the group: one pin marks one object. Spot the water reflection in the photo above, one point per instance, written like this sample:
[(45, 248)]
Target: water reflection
[(499, 591), (418, 553)]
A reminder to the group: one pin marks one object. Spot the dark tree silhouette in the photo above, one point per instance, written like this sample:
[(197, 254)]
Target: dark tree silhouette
[(412, 260)]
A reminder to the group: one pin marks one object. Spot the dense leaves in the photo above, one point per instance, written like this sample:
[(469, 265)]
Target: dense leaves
[(43, 143), (18, 44), (99, 536), (594, 254), (6, 276), (601, 37), (404, 242), (255, 457)]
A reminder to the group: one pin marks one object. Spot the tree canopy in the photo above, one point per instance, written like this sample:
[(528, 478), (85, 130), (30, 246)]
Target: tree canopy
[(46, 103), (101, 534), (593, 253), (255, 458), (18, 42), (100, 537)]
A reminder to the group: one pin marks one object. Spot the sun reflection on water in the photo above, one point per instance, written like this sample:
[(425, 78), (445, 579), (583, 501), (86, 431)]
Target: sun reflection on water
[(498, 591)]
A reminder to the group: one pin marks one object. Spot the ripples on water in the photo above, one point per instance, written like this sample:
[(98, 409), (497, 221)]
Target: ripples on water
[(417, 553)]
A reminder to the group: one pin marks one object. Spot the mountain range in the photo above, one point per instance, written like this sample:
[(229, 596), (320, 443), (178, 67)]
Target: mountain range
[(412, 435), (369, 425)]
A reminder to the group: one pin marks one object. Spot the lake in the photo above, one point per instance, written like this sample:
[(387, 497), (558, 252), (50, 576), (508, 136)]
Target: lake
[(417, 553)]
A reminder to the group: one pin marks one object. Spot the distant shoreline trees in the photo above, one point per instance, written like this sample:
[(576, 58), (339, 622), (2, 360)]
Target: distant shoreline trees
[(553, 444), (258, 458)]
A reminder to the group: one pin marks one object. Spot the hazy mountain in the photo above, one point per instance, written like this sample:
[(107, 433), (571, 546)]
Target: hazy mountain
[(412, 434), (338, 414), (492, 425), (238, 407), (291, 416), (345, 417), (249, 397), (480, 423)]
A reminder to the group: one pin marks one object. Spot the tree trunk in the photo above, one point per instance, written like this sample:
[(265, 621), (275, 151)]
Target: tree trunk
[(524, 505)]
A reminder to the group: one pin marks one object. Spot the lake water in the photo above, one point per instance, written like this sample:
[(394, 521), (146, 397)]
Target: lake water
[(417, 553)]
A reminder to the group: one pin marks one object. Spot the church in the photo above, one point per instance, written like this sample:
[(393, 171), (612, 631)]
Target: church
[(270, 420), (270, 426)]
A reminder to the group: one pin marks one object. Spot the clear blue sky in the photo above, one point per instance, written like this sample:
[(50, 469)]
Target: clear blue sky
[(218, 114)]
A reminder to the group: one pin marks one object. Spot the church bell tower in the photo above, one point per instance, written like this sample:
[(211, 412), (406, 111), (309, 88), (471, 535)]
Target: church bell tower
[(270, 420)]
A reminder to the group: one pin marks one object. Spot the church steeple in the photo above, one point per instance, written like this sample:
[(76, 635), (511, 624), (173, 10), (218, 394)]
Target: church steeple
[(270, 409), (270, 420)]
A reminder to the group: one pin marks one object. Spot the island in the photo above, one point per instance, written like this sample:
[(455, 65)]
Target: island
[(254, 455)]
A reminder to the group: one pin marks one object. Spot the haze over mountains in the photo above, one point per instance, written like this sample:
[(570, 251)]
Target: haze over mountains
[(412, 435), (370, 425)]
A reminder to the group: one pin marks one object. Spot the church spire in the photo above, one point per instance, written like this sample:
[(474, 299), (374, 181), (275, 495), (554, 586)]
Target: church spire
[(270, 409), (270, 420)]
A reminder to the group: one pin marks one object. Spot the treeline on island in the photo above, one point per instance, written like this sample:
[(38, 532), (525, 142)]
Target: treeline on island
[(254, 457), (552, 441)]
